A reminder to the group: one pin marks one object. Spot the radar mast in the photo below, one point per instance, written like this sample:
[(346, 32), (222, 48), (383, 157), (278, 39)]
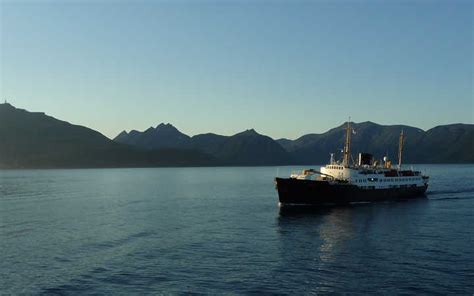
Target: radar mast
[(400, 150), (347, 146)]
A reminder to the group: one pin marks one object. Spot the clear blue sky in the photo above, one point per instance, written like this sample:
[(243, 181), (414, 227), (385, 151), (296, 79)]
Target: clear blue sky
[(285, 68)]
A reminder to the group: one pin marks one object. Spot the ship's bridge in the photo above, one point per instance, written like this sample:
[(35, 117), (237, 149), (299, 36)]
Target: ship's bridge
[(339, 171)]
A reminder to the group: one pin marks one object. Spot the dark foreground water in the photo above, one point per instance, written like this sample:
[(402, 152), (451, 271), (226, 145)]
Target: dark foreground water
[(216, 230)]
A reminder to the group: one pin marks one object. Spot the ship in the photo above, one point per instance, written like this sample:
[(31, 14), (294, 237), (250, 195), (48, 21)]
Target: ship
[(346, 181)]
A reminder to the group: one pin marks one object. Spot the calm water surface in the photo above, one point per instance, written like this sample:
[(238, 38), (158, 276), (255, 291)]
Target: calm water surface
[(215, 230)]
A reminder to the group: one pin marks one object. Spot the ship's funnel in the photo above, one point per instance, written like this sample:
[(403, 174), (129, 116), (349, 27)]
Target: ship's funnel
[(365, 159)]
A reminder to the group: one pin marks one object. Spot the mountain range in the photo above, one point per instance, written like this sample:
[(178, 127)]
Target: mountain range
[(245, 148), (35, 140), (452, 143)]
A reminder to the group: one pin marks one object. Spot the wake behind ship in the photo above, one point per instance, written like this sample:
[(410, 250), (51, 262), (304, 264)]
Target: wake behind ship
[(341, 182)]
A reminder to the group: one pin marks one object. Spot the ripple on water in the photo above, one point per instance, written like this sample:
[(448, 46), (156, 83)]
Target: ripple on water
[(219, 230)]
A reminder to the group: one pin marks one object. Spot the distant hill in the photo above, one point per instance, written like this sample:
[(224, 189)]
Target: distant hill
[(447, 143), (443, 144), (35, 140), (245, 148), (163, 136), (251, 148), (208, 143)]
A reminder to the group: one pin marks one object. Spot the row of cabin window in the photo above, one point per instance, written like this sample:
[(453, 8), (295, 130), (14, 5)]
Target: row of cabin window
[(404, 179), (335, 167), (385, 180)]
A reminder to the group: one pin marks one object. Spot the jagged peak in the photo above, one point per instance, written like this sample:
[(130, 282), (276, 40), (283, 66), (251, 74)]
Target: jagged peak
[(165, 126), (248, 132)]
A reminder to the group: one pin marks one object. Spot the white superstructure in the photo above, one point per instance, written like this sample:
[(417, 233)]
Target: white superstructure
[(366, 174)]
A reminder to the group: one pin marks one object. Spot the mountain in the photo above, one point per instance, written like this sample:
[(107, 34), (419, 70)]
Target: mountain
[(163, 136), (208, 143), (35, 140), (245, 148), (251, 148), (443, 144)]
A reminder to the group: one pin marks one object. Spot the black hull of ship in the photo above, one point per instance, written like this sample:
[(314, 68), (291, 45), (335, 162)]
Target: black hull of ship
[(319, 193)]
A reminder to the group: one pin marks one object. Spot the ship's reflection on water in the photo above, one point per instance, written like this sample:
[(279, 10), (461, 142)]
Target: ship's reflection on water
[(315, 238), (330, 227), (327, 242), (336, 229)]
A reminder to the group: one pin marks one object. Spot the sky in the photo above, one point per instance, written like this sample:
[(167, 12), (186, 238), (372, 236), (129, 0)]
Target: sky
[(285, 68)]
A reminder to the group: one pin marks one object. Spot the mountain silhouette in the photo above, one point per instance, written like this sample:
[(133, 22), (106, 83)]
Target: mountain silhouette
[(443, 144), (209, 143), (245, 148), (163, 136), (35, 140), (252, 148)]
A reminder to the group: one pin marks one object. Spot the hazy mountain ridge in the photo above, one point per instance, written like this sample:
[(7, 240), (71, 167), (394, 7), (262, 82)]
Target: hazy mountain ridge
[(443, 144), (163, 136), (252, 148), (35, 140), (244, 148), (209, 143)]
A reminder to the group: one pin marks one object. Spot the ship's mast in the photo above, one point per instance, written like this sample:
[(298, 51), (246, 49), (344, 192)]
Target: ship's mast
[(347, 146), (400, 150)]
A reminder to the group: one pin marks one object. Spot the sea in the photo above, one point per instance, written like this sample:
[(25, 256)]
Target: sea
[(221, 231)]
